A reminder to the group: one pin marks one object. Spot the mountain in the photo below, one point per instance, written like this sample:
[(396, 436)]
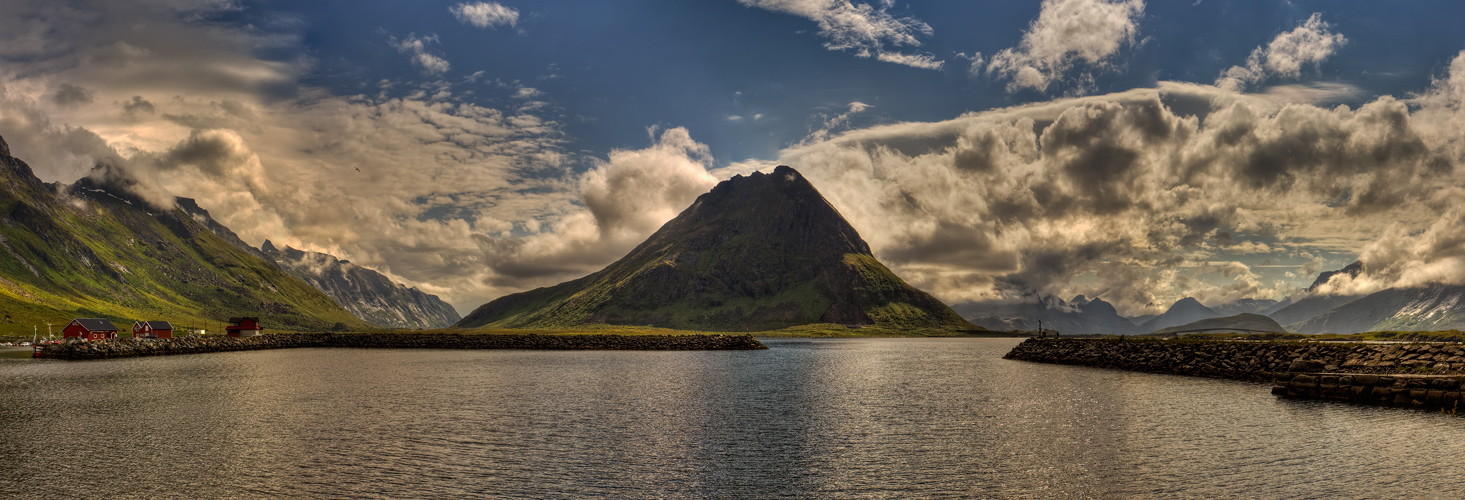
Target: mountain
[(94, 250), (1244, 321), (757, 252), (1186, 310), (1307, 308), (1438, 307), (1352, 270), (1240, 306), (368, 294), (1074, 317)]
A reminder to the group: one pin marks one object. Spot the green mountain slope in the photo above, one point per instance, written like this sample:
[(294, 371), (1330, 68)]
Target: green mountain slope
[(92, 250), (758, 252)]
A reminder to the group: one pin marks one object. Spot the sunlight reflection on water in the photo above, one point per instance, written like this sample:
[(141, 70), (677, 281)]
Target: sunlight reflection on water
[(893, 418)]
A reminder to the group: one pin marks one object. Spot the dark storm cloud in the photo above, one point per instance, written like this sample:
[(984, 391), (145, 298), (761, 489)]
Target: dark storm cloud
[(71, 95), (138, 106)]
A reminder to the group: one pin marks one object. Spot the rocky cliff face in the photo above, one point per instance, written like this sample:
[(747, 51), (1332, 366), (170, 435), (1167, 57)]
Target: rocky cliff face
[(757, 252), (368, 294)]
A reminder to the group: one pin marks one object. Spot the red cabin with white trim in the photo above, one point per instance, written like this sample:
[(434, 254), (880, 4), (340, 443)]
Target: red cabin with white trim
[(152, 330), (243, 327), (89, 329)]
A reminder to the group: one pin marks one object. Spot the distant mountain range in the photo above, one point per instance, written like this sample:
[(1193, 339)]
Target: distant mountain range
[(1436, 307), (368, 294), (757, 252), (1080, 315)]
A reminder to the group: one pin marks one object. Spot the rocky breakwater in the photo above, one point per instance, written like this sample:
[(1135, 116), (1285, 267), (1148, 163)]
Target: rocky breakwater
[(193, 345), (1420, 375), (1244, 360), (122, 348), (1414, 391)]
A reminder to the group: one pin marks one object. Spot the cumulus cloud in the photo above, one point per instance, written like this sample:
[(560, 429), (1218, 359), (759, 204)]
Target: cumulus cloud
[(666, 177), (1067, 33), (1402, 258), (626, 198), (867, 30), (1309, 44), (417, 49), (485, 14), (1119, 195)]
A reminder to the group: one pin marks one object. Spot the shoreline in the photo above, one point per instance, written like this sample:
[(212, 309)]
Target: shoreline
[(123, 348)]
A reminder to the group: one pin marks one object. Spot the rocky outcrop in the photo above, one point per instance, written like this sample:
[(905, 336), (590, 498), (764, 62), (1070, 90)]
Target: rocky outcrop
[(1246, 360), (122, 348)]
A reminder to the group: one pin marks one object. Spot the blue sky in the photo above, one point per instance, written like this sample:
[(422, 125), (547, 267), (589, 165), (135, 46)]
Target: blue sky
[(612, 69), (1138, 151)]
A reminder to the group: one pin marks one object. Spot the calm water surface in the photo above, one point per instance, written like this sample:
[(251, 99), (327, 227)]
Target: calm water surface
[(863, 418)]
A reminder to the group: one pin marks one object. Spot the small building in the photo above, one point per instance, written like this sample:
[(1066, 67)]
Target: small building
[(152, 330), (89, 329), (243, 327)]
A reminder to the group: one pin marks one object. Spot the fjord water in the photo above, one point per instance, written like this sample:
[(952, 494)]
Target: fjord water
[(867, 418)]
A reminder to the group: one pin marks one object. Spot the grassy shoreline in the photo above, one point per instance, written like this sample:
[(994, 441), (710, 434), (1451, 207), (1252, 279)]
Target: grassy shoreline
[(822, 330)]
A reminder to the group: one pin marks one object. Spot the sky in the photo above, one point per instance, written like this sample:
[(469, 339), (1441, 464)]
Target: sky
[(988, 151)]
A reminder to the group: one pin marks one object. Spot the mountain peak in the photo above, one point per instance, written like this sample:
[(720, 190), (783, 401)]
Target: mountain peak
[(1188, 303), (1183, 311), (759, 251), (1352, 270), (4, 148)]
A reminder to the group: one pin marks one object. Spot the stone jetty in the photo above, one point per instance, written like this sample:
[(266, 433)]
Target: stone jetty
[(1244, 360), (121, 348), (1420, 375), (1433, 392)]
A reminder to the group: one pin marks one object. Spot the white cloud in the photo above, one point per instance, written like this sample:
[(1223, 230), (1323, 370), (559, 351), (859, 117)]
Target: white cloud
[(1310, 43), (417, 48), (865, 29), (1066, 33), (485, 14)]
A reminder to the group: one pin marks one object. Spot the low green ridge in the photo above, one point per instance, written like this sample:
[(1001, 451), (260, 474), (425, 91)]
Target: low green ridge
[(756, 253), (1244, 321)]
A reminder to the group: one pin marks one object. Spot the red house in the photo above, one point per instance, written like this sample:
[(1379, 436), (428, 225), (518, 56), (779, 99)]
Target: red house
[(89, 329), (243, 327), (152, 330)]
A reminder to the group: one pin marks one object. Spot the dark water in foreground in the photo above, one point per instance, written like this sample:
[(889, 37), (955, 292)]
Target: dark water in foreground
[(892, 418)]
